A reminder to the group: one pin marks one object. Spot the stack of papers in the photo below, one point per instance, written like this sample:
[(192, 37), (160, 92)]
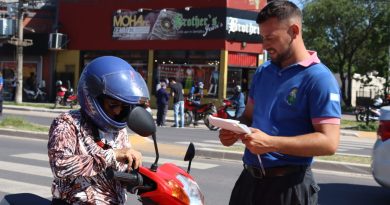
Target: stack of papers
[(229, 124)]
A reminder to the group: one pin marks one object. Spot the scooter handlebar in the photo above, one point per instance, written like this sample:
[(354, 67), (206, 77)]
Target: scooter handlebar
[(134, 178)]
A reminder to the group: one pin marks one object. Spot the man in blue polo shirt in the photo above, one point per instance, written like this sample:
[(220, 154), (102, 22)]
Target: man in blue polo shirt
[(294, 114)]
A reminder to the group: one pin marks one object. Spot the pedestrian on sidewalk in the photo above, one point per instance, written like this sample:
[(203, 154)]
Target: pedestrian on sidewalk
[(84, 143), (178, 102), (162, 104), (294, 113), (196, 95)]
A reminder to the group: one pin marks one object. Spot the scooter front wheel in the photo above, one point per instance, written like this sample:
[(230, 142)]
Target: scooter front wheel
[(187, 118)]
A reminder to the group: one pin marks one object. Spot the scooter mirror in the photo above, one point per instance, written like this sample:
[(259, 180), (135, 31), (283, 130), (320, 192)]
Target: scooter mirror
[(190, 154), (141, 122)]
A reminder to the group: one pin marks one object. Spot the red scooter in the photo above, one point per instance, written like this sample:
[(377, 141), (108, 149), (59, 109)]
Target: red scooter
[(65, 96), (158, 185), (225, 111), (202, 111)]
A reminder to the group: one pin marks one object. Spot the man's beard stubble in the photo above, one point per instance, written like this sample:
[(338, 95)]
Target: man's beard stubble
[(282, 57)]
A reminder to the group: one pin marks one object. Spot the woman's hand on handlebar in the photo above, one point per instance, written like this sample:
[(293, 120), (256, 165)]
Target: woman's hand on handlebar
[(129, 156)]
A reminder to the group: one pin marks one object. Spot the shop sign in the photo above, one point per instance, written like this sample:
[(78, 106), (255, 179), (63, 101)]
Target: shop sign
[(245, 26), (242, 29), (241, 26), (168, 24)]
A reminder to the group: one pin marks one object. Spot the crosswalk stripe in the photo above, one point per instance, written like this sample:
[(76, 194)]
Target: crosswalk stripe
[(350, 148), (23, 138), (357, 144), (33, 156), (25, 169), (195, 165), (11, 186), (217, 144), (200, 144), (212, 141)]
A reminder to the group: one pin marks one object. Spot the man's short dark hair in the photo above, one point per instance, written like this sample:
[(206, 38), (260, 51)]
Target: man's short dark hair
[(279, 9)]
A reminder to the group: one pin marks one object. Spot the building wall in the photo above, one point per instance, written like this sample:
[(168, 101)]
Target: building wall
[(68, 61)]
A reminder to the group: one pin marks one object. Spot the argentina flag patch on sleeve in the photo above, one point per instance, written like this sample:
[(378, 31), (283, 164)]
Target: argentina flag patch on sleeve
[(334, 97)]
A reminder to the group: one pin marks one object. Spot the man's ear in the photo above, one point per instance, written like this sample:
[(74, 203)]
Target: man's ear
[(293, 31)]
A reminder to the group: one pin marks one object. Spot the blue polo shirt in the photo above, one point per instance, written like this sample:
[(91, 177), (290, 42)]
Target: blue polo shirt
[(285, 103)]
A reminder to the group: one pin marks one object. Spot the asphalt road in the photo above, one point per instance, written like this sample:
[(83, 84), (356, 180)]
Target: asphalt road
[(24, 169)]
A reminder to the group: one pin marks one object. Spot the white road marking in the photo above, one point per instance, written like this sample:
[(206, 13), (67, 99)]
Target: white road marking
[(13, 187), (180, 163), (33, 156), (22, 138), (26, 169), (346, 174)]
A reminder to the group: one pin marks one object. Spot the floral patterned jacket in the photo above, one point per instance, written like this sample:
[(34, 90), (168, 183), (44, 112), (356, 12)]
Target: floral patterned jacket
[(78, 164)]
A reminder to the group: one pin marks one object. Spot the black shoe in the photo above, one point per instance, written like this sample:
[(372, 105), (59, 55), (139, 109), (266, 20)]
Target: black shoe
[(174, 126)]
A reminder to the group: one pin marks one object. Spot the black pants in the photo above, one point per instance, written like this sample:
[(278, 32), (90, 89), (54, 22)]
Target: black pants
[(295, 189), (161, 114), (59, 202)]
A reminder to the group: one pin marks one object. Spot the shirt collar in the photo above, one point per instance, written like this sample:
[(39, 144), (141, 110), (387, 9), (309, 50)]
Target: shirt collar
[(313, 59)]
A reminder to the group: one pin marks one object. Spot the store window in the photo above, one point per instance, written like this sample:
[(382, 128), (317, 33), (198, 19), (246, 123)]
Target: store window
[(137, 59), (239, 76), (234, 78), (189, 68), (8, 69)]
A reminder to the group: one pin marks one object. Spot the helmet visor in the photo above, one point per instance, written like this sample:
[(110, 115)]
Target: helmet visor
[(127, 86)]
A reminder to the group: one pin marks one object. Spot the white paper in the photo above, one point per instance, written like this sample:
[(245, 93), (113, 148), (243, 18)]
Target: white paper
[(229, 124)]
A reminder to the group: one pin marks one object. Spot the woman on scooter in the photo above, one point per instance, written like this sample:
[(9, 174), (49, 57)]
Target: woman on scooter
[(238, 101), (84, 143)]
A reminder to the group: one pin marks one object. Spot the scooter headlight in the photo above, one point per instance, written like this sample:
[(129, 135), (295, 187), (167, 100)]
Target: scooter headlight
[(189, 193)]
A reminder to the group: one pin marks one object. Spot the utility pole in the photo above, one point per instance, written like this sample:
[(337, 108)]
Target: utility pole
[(20, 43)]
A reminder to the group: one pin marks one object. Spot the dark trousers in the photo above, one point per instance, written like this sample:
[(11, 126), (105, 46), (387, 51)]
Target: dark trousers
[(294, 189), (59, 202), (161, 114)]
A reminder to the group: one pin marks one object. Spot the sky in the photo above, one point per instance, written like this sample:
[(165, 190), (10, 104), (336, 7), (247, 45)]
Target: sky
[(297, 3)]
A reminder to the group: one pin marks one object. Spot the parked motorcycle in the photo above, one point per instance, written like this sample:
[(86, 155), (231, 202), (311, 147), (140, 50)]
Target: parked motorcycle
[(202, 111), (36, 96), (65, 96), (366, 114), (225, 111), (164, 185)]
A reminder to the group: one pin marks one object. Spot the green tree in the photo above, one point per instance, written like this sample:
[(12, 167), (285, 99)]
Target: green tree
[(351, 36)]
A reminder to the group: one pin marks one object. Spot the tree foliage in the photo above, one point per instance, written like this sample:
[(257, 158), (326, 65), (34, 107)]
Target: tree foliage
[(350, 36)]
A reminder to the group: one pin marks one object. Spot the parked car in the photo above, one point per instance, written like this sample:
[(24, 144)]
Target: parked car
[(380, 165)]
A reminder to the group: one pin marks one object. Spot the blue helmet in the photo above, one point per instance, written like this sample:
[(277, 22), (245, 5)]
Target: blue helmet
[(113, 77)]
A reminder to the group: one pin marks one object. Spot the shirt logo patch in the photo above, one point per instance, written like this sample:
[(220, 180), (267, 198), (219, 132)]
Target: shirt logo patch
[(292, 96), (334, 97)]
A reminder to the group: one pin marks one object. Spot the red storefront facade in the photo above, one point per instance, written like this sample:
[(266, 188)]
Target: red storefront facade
[(216, 42)]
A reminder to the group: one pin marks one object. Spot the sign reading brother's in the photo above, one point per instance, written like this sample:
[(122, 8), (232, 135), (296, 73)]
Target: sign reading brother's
[(242, 29), (168, 24), (241, 26)]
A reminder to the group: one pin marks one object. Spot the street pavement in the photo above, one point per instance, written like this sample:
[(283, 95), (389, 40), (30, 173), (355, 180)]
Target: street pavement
[(145, 144)]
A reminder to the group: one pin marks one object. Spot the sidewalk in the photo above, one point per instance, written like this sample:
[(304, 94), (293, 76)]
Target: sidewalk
[(170, 119), (146, 145)]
